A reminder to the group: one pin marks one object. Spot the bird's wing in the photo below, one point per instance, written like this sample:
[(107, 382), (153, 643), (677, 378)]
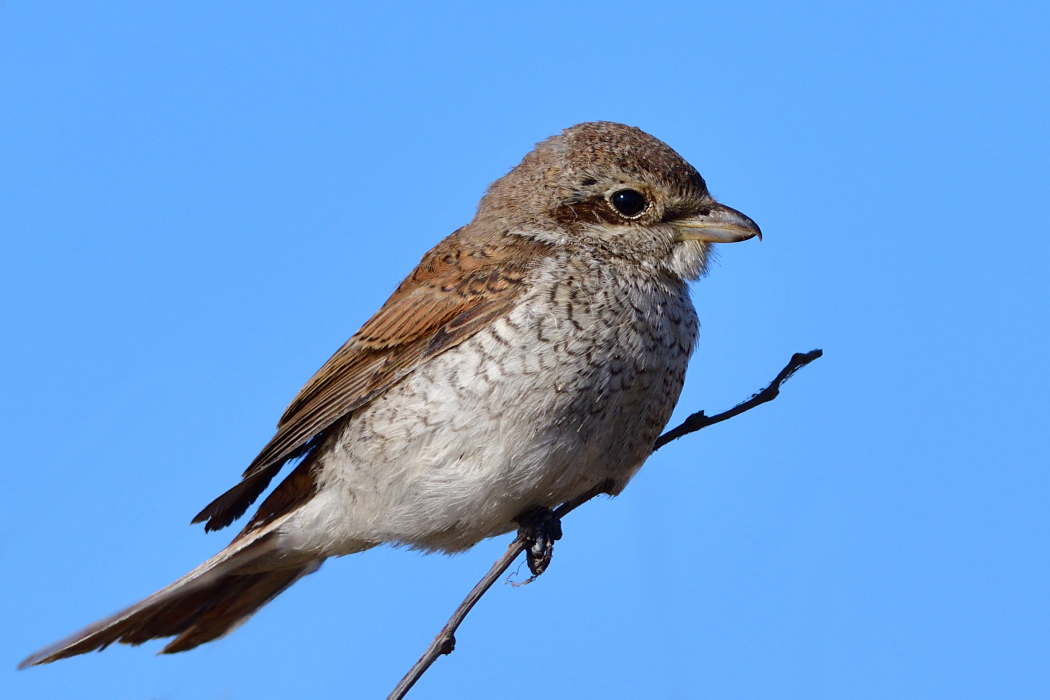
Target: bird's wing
[(458, 288)]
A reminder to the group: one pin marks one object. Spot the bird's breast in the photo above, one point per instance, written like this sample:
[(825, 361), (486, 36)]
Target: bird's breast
[(570, 388)]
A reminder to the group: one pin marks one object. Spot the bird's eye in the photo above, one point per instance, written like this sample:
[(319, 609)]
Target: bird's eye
[(629, 203)]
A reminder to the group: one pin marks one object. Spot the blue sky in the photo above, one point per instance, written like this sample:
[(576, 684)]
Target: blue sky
[(200, 202)]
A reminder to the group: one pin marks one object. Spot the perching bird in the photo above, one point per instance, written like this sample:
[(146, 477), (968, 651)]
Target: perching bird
[(533, 354)]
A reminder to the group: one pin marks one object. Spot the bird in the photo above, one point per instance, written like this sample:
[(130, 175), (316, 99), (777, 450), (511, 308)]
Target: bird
[(533, 355)]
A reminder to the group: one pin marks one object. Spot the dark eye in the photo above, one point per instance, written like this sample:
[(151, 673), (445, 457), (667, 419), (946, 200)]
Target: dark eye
[(628, 202)]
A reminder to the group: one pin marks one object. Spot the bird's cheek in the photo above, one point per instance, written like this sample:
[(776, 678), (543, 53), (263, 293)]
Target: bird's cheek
[(689, 259)]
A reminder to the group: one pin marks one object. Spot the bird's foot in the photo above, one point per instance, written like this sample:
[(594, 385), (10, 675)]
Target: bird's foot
[(542, 528)]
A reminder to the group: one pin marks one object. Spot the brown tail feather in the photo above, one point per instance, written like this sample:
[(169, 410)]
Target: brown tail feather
[(203, 605), (245, 596), (235, 502)]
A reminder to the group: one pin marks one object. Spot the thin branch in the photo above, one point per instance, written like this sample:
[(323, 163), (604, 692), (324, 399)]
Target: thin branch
[(699, 421), (445, 641)]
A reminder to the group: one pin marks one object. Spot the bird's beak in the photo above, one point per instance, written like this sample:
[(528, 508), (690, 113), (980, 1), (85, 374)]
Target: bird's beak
[(717, 224)]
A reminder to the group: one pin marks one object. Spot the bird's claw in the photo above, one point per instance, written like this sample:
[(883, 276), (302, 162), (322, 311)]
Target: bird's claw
[(542, 528)]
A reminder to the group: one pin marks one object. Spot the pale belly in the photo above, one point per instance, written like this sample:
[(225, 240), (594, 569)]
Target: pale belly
[(535, 410)]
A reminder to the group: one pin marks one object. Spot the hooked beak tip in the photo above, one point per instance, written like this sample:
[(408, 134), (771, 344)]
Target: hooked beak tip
[(718, 224)]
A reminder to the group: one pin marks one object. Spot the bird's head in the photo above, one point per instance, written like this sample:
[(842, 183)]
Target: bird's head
[(620, 190)]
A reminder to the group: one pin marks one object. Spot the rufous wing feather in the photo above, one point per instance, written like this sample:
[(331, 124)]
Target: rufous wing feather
[(459, 287)]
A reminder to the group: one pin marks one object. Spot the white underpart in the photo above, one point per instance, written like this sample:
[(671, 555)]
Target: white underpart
[(534, 410)]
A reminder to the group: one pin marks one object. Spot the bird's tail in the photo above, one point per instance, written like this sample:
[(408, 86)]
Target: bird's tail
[(210, 601)]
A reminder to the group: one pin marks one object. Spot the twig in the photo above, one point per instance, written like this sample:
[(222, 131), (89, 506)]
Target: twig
[(699, 421), (445, 641)]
